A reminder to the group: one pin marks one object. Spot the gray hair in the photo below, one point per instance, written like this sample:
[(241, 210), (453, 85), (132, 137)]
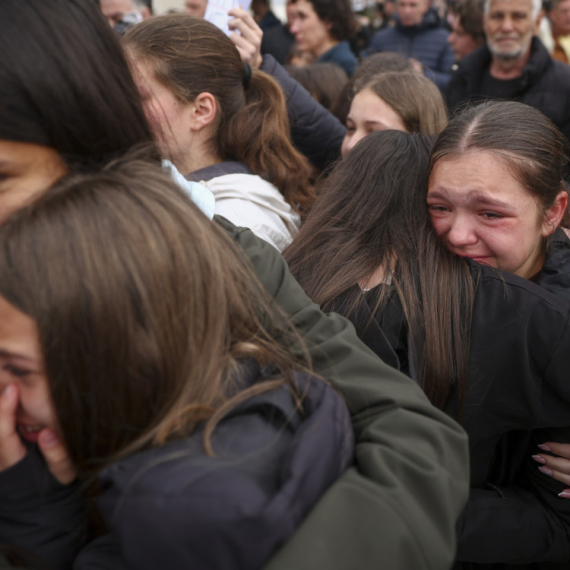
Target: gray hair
[(536, 7)]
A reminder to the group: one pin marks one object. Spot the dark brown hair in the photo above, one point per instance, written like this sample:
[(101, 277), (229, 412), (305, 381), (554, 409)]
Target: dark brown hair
[(529, 143), (371, 213), (140, 342), (324, 81), (470, 15), (66, 83), (373, 65), (414, 98), (191, 56), (337, 13)]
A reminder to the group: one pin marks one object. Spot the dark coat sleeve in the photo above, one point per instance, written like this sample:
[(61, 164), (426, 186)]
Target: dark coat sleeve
[(39, 514), (399, 505), (316, 132), (517, 516)]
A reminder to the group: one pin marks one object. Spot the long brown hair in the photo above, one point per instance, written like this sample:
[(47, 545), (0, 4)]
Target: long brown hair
[(191, 56), (371, 213), (145, 311)]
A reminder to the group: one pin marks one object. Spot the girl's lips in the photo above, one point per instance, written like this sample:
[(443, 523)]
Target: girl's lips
[(30, 432)]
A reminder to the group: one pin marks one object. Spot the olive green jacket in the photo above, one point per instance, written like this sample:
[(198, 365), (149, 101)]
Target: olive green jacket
[(397, 507)]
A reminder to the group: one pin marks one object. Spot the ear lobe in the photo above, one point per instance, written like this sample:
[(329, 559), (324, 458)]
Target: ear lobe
[(204, 109), (555, 214)]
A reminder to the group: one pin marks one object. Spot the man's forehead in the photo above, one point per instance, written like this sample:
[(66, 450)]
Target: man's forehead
[(511, 5), (113, 6)]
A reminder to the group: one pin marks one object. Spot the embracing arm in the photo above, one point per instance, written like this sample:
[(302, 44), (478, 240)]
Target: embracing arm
[(398, 506)]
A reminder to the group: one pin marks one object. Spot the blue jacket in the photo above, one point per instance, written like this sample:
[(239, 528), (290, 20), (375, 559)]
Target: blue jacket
[(426, 42), (342, 55)]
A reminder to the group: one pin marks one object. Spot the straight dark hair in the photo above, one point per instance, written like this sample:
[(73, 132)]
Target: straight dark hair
[(66, 83), (371, 213), (140, 343)]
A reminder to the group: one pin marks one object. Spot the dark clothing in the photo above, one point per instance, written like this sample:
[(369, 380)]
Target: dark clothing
[(176, 507), (517, 397), (407, 452), (426, 42), (544, 84), (341, 55), (277, 41), (316, 132), (269, 21)]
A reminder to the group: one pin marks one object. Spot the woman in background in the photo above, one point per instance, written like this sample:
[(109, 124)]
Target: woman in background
[(221, 124)]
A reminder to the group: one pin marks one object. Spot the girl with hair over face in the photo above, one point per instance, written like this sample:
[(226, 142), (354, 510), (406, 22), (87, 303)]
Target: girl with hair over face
[(221, 123), (491, 349), (402, 101), (162, 376)]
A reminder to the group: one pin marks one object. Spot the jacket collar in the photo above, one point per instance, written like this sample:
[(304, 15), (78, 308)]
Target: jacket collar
[(430, 20)]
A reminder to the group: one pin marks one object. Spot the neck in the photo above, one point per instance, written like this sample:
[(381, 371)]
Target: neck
[(506, 68), (325, 46), (196, 155)]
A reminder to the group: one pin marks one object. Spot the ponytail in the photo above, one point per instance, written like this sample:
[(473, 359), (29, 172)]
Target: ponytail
[(191, 56), (258, 136)]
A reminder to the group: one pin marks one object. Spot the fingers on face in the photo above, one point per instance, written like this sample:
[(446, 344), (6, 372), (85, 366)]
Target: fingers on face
[(56, 456), (12, 449)]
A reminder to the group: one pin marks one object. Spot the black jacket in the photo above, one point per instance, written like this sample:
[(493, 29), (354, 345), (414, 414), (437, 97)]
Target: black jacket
[(176, 507), (315, 131), (544, 84), (426, 42), (518, 396)]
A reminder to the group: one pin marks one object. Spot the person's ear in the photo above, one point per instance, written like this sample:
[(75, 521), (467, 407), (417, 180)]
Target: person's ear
[(555, 213), (203, 111)]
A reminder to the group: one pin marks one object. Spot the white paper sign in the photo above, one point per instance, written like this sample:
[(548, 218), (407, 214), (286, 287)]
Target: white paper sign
[(217, 12)]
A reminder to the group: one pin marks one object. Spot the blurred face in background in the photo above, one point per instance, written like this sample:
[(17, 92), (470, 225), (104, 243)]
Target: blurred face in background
[(560, 18), (461, 42), (369, 113), (509, 27), (411, 12), (196, 7), (311, 33)]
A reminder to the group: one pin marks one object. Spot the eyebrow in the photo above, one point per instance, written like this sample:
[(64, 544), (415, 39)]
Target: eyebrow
[(477, 198), (9, 354)]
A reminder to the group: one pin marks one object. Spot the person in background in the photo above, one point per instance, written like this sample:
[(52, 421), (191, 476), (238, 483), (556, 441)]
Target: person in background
[(419, 36), (324, 27), (514, 64), (324, 81), (373, 65), (116, 10), (196, 7), (467, 32), (555, 33), (395, 100), (278, 41), (220, 125)]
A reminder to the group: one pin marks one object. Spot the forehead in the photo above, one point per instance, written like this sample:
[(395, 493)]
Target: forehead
[(412, 3), (109, 7), (478, 173), (564, 5), (510, 6)]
